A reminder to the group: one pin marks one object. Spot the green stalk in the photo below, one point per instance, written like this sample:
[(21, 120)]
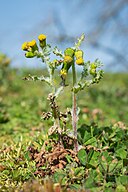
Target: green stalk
[(74, 109)]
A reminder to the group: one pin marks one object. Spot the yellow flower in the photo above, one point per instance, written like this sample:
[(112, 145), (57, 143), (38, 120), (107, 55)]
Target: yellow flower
[(80, 61), (32, 43), (42, 37), (25, 46), (68, 59), (63, 72), (30, 46), (33, 46)]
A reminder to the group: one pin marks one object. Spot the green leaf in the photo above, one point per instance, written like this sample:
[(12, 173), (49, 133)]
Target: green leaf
[(69, 158), (82, 155), (121, 188), (58, 176), (89, 183), (107, 156), (121, 153), (84, 134), (122, 180), (27, 155), (95, 159), (80, 40), (79, 172), (92, 141), (75, 186), (90, 154), (57, 52)]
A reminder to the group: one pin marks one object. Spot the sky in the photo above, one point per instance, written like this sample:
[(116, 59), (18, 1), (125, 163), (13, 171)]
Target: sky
[(24, 20)]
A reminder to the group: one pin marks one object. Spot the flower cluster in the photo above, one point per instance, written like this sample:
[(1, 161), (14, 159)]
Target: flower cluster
[(71, 56), (31, 47)]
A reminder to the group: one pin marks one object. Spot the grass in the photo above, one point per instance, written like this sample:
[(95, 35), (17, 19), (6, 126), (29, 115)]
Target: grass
[(103, 121)]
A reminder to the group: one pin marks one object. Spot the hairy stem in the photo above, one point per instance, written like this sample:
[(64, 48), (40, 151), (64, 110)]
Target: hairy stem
[(57, 124), (55, 114), (74, 110)]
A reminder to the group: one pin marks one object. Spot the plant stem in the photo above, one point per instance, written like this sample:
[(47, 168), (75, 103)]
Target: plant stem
[(55, 113), (57, 125), (74, 109)]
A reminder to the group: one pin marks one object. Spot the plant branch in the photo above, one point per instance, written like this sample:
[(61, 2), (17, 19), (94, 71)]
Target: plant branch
[(74, 109)]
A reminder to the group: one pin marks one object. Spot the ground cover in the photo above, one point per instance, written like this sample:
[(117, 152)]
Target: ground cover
[(102, 161)]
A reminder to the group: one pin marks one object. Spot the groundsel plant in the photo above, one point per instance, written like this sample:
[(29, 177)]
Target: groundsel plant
[(71, 57)]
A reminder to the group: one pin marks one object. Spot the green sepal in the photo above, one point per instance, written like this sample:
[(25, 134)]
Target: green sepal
[(64, 71), (69, 52), (35, 48), (42, 43), (66, 65), (93, 67)]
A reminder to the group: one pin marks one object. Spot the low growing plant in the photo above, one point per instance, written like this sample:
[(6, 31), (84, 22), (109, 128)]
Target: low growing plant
[(72, 57)]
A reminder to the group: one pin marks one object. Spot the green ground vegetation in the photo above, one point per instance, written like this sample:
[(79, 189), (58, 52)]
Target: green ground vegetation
[(102, 161)]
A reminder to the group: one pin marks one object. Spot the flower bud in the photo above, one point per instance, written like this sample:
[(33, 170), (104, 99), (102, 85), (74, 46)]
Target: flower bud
[(80, 61), (93, 69), (29, 54), (42, 40), (93, 72), (79, 54), (93, 66), (69, 52), (68, 60)]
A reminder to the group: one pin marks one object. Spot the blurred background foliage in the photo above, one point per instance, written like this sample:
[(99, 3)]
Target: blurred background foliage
[(104, 23)]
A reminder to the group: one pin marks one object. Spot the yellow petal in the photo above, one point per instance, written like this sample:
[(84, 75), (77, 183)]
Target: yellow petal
[(41, 37), (80, 61)]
